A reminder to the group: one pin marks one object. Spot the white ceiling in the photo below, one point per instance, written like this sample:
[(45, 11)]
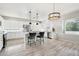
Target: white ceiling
[(21, 9)]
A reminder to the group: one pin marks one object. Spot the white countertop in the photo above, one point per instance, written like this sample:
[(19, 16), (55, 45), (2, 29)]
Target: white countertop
[(11, 31)]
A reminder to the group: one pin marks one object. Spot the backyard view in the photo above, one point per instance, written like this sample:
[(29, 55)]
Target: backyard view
[(72, 26)]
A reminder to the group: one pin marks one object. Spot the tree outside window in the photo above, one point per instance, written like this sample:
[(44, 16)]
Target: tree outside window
[(72, 26)]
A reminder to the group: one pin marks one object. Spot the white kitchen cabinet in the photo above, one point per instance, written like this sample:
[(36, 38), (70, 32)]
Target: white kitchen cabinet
[(1, 40)]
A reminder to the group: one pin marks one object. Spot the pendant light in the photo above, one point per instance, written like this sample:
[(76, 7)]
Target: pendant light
[(54, 15), (30, 16), (36, 18), (30, 23)]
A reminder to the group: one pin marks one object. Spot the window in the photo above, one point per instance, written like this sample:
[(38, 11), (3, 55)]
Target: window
[(72, 26)]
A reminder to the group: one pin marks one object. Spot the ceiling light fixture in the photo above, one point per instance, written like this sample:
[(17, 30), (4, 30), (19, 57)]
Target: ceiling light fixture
[(36, 18), (54, 15), (30, 16)]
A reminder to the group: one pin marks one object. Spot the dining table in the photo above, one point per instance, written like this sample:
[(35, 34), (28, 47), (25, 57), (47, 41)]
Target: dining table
[(26, 34)]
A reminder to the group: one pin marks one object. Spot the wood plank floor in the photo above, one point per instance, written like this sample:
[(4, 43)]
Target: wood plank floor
[(50, 47)]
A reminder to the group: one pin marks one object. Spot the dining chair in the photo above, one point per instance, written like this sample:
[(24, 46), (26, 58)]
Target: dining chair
[(31, 38), (41, 37)]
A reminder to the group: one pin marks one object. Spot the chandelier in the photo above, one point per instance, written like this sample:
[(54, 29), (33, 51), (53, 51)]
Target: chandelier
[(30, 17), (54, 15)]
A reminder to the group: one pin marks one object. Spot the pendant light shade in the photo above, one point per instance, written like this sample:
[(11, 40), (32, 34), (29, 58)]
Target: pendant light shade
[(36, 23), (30, 23), (54, 15)]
